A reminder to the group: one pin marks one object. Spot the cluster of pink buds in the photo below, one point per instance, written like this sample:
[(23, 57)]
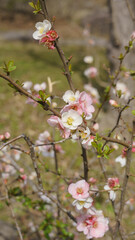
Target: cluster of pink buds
[(5, 136), (91, 222), (112, 184), (49, 39)]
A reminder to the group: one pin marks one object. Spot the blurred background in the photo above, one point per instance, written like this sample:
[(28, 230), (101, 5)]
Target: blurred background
[(99, 28)]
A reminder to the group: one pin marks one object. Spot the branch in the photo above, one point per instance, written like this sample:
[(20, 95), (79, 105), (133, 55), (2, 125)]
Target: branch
[(29, 95), (85, 163), (130, 11)]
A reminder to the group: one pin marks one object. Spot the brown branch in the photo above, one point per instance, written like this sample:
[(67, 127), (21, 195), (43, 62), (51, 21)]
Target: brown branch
[(130, 11), (21, 90), (124, 187), (85, 163)]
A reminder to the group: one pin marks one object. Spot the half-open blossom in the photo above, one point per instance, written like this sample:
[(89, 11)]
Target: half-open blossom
[(50, 35), (93, 92), (71, 119), (83, 203), (88, 59), (112, 184), (122, 89), (133, 147), (88, 142), (37, 87), (133, 36), (42, 28), (90, 72), (93, 225), (70, 96), (55, 121), (79, 190), (113, 103)]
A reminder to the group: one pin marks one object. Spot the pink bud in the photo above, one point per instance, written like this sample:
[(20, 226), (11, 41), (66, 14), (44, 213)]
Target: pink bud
[(7, 135)]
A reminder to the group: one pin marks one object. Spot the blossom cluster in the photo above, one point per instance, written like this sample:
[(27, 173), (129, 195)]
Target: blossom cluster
[(74, 116), (91, 222), (45, 35)]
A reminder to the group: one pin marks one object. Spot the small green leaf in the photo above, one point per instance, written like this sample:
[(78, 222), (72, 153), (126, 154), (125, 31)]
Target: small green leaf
[(32, 4), (121, 57), (133, 112)]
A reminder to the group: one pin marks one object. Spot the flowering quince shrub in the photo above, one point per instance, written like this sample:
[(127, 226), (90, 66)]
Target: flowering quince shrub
[(101, 186)]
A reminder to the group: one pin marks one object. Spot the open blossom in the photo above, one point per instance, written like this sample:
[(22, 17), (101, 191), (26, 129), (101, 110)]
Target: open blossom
[(37, 87), (90, 72), (55, 121), (88, 59), (27, 85), (122, 88), (85, 105), (88, 142), (93, 224), (112, 184), (83, 203), (93, 92), (71, 119), (70, 96), (42, 28), (79, 190)]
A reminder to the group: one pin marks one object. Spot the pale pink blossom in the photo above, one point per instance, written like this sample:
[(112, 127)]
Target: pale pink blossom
[(91, 72), (113, 103), (88, 59), (122, 88), (93, 224), (42, 28), (37, 87), (55, 121), (70, 96), (71, 119), (27, 85), (83, 203), (93, 92), (85, 105), (79, 190), (88, 142), (132, 36), (122, 160)]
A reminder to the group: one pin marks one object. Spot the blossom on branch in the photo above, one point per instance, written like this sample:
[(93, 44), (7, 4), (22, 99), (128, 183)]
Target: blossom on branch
[(79, 190), (42, 28)]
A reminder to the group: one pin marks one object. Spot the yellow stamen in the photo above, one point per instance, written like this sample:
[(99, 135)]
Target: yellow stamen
[(70, 120)]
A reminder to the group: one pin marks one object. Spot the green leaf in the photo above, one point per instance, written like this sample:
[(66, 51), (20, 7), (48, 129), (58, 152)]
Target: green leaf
[(121, 57), (133, 112), (32, 4)]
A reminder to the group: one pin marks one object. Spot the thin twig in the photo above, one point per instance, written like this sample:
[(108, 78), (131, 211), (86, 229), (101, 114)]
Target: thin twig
[(130, 11), (85, 163)]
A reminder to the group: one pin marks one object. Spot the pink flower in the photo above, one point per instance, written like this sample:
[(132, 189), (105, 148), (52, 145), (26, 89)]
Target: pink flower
[(113, 103), (113, 182), (132, 36), (79, 190), (93, 224), (133, 147), (91, 72), (85, 105), (49, 38), (55, 121)]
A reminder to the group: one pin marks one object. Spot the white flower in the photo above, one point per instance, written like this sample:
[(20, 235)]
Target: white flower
[(83, 203), (121, 160), (38, 87), (27, 85), (44, 197), (42, 28), (112, 194), (71, 119), (125, 93), (91, 72), (70, 97), (32, 176), (93, 91), (44, 136), (85, 135), (88, 59)]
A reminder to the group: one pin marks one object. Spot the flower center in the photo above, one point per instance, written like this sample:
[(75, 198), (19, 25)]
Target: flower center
[(79, 190), (81, 202), (41, 30), (70, 120), (72, 99)]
